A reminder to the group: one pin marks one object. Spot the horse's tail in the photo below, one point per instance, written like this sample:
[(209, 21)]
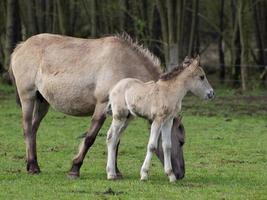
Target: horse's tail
[(11, 75)]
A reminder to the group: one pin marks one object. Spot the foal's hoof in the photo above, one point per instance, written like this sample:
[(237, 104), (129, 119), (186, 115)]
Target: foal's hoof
[(73, 175), (172, 178), (144, 177), (119, 175), (112, 177)]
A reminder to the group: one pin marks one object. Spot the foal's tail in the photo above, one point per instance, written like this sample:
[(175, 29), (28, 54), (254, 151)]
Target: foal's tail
[(10, 71)]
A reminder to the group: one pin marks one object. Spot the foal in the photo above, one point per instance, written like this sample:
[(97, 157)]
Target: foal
[(159, 102)]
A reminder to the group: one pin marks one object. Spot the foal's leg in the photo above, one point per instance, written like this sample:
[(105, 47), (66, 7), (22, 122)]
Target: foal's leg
[(119, 174), (151, 148), (97, 121), (166, 146), (113, 137)]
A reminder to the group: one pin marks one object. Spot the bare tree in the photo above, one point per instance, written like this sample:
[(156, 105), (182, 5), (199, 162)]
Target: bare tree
[(220, 43), (13, 29), (193, 31), (172, 16)]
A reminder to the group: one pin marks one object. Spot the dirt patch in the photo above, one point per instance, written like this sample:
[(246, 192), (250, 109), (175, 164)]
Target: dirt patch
[(225, 161), (78, 191), (12, 171), (109, 191), (192, 185), (18, 157)]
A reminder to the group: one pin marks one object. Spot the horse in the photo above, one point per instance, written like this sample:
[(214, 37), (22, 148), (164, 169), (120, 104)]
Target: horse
[(74, 76), (158, 102)]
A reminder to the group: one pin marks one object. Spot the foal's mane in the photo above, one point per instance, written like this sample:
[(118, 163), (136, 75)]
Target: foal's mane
[(175, 71), (142, 51)]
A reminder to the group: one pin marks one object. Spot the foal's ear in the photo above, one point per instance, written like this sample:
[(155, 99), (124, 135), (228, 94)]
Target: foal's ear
[(197, 57), (195, 63), (187, 61)]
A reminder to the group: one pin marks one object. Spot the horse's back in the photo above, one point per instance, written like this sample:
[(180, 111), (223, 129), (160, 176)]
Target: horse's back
[(73, 74)]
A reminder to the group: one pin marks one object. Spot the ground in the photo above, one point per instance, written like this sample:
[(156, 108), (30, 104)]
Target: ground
[(225, 154)]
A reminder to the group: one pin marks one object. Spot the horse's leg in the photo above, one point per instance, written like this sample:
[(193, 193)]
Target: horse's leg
[(113, 137), (151, 147), (166, 146), (27, 106), (97, 121), (40, 110)]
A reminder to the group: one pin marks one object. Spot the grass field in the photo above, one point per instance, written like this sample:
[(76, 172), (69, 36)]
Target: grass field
[(225, 154)]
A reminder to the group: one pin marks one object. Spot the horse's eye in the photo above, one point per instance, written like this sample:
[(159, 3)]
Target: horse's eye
[(202, 77)]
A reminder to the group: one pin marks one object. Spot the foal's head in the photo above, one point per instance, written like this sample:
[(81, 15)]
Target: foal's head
[(196, 80)]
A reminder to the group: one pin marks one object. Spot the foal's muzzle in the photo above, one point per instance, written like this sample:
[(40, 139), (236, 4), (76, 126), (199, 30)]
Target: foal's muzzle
[(210, 94)]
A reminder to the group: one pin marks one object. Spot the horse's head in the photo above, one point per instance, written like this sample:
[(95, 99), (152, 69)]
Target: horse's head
[(197, 81), (177, 155)]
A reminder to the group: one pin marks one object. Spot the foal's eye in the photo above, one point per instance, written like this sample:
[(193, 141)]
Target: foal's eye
[(202, 77)]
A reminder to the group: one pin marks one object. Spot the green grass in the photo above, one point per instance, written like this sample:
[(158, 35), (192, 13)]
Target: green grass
[(225, 154)]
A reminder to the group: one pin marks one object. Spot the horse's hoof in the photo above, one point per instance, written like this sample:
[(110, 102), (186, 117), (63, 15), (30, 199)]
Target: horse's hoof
[(73, 175), (33, 169)]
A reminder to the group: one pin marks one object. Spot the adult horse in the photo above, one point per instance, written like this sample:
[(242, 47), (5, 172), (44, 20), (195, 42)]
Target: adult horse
[(74, 76)]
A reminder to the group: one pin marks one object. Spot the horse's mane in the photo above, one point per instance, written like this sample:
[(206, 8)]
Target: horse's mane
[(141, 50), (176, 70)]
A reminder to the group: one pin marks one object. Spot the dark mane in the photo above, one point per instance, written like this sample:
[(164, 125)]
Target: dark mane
[(176, 70), (142, 51), (171, 74)]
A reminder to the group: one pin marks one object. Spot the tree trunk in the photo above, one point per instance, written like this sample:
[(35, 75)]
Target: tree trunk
[(172, 45), (55, 20), (164, 28), (193, 28), (13, 29), (220, 44), (235, 46), (63, 16), (93, 18), (31, 22), (40, 13), (243, 46), (196, 37), (73, 16), (2, 34), (49, 16), (122, 15)]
